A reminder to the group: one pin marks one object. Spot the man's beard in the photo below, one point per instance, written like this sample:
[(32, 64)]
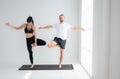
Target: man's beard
[(61, 20)]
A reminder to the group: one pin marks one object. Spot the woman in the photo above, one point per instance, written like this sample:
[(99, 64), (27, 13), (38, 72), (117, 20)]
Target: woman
[(31, 40)]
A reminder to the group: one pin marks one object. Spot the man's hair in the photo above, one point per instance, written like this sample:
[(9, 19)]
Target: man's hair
[(61, 15)]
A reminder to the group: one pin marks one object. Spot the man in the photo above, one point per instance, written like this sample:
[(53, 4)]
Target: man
[(61, 36)]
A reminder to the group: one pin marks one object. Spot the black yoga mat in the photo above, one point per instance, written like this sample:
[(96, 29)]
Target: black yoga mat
[(47, 67)]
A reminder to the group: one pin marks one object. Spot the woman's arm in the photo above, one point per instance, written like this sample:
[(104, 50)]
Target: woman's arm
[(34, 28), (15, 27)]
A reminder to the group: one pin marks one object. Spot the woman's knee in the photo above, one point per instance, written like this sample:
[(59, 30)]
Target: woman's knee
[(44, 43)]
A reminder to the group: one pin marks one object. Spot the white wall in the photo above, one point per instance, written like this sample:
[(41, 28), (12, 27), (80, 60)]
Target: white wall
[(80, 15), (101, 41), (106, 45), (13, 43), (115, 40)]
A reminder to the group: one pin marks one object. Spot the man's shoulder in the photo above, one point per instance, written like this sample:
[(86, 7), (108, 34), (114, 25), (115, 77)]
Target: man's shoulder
[(68, 24)]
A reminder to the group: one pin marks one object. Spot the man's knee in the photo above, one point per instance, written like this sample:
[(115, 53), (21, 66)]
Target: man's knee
[(50, 45), (62, 50)]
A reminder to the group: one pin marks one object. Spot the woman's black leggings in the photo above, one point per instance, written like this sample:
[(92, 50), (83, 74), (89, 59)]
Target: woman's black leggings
[(30, 41)]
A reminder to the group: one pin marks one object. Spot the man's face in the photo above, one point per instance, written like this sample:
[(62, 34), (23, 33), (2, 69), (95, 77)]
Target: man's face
[(62, 18)]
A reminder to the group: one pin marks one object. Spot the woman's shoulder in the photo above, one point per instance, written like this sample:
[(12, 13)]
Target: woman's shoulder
[(25, 24), (34, 28)]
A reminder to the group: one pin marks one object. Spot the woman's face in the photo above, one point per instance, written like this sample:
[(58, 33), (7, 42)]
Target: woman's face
[(29, 23)]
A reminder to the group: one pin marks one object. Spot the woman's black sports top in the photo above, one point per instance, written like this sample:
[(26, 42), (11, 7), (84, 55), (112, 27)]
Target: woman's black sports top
[(27, 30)]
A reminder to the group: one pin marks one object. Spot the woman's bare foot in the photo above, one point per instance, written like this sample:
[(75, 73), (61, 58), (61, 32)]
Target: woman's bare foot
[(33, 45), (32, 66), (60, 66)]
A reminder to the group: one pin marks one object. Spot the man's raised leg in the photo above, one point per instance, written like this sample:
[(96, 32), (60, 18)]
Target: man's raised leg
[(52, 44)]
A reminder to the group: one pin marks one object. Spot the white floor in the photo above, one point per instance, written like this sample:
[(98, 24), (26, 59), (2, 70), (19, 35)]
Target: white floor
[(14, 73)]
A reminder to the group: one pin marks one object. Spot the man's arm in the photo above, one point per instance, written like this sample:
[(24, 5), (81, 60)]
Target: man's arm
[(77, 28), (46, 27)]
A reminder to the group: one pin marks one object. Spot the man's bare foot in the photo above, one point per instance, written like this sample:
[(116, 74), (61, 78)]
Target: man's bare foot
[(32, 66), (60, 66)]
